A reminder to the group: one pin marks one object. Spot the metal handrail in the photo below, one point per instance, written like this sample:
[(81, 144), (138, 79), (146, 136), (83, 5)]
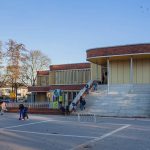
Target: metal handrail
[(77, 98)]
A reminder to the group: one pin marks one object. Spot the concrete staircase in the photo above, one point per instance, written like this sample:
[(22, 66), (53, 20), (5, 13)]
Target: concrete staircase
[(122, 100)]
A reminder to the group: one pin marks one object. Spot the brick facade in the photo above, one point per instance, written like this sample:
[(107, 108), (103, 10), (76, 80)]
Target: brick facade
[(70, 66), (54, 68), (118, 50), (53, 87), (45, 72)]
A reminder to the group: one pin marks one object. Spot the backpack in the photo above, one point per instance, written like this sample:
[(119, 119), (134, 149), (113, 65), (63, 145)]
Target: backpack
[(84, 102)]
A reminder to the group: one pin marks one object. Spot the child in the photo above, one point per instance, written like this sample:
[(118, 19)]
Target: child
[(95, 86), (21, 108), (74, 107), (25, 113), (87, 89), (3, 108)]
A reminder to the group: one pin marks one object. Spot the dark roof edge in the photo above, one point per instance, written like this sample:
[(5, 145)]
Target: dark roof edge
[(118, 46), (70, 64)]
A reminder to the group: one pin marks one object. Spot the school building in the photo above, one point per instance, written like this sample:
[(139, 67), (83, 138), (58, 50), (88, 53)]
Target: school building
[(118, 65), (129, 64), (60, 82)]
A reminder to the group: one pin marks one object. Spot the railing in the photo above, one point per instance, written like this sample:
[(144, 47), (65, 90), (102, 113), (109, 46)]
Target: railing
[(32, 105), (77, 98)]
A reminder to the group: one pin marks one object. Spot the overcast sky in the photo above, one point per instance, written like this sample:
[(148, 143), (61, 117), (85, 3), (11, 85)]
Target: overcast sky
[(65, 29)]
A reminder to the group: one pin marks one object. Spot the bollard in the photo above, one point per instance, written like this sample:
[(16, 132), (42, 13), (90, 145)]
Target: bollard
[(94, 118), (78, 117)]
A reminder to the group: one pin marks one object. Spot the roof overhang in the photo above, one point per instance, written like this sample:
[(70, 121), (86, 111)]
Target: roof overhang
[(100, 55), (103, 59)]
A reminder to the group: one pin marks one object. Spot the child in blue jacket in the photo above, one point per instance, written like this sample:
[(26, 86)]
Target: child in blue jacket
[(25, 113)]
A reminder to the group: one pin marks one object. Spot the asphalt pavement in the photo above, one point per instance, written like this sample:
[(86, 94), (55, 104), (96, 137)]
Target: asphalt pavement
[(47, 132)]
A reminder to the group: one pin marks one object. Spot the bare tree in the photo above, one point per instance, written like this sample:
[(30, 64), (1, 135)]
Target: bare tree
[(35, 61), (15, 53), (3, 75), (21, 66)]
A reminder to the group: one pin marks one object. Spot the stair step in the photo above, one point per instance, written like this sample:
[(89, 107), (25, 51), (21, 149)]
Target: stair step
[(120, 101)]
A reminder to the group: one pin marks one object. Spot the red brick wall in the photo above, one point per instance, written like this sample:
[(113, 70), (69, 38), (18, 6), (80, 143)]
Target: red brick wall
[(119, 50), (53, 87), (45, 72), (70, 66)]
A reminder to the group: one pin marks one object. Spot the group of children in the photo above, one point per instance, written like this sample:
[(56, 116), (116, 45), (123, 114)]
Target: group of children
[(23, 112)]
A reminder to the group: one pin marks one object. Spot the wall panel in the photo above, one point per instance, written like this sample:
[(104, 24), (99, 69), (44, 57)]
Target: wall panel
[(114, 70), (139, 71), (126, 72), (96, 72), (134, 71), (120, 72)]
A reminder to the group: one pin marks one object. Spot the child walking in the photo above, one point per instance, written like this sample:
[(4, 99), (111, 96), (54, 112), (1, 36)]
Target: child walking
[(3, 108), (21, 109), (25, 113)]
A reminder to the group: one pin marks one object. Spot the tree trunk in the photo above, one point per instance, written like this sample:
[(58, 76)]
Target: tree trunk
[(16, 90)]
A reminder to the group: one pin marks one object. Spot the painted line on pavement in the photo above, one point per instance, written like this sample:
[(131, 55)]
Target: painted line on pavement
[(103, 123), (33, 123), (60, 121), (52, 134), (25, 124), (91, 142)]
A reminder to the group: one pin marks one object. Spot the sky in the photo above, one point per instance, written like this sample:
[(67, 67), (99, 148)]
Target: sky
[(64, 29)]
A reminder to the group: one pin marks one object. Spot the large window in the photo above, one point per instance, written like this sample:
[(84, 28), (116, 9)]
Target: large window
[(75, 76)]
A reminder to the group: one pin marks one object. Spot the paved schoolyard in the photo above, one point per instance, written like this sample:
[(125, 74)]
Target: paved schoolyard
[(45, 132)]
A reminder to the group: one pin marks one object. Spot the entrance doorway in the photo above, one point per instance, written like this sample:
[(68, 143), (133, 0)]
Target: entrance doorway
[(104, 75)]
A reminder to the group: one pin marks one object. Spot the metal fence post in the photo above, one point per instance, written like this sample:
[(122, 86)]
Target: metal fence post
[(78, 117), (94, 118)]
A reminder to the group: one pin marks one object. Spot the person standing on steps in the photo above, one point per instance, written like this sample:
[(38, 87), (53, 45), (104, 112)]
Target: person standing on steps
[(87, 89), (95, 86), (82, 103), (74, 107)]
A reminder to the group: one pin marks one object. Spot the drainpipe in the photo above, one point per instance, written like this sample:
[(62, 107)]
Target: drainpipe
[(108, 75), (96, 71), (131, 70)]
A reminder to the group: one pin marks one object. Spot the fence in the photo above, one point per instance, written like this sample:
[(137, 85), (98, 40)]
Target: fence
[(32, 105)]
